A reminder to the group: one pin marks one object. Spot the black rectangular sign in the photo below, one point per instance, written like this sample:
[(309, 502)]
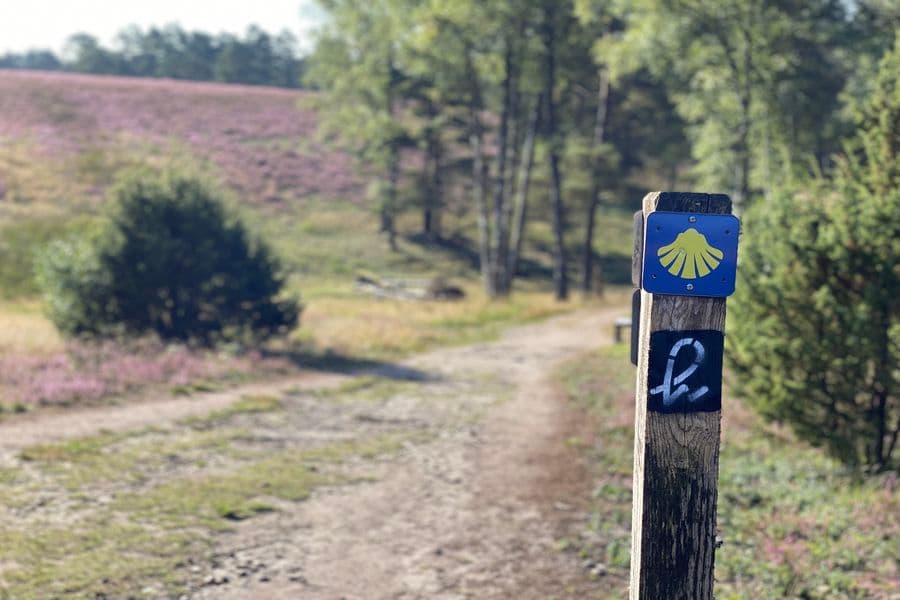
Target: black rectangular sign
[(685, 371)]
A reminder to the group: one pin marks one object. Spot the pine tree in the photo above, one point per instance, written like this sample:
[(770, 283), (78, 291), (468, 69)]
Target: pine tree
[(756, 80), (356, 66), (815, 338)]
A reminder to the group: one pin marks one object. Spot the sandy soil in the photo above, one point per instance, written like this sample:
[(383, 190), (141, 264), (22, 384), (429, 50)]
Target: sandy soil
[(491, 477), (476, 513)]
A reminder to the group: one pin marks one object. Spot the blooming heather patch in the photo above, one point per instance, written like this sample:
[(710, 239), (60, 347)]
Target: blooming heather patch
[(259, 139), (91, 372)]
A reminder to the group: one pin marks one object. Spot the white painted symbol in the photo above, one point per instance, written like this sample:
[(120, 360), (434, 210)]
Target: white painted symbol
[(669, 396)]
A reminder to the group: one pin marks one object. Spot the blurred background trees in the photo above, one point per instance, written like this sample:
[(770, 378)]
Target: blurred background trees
[(739, 96), (554, 109), (257, 58), (757, 81), (356, 67)]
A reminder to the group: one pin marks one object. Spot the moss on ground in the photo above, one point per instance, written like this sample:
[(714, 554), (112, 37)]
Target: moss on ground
[(139, 542), (128, 458), (247, 405)]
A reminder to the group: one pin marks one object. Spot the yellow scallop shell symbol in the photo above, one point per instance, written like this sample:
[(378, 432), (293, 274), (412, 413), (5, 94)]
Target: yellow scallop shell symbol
[(690, 256)]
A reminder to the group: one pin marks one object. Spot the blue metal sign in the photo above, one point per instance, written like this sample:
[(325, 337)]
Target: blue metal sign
[(690, 254)]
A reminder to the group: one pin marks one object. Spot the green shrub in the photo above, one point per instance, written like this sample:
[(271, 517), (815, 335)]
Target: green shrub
[(815, 338), (21, 240), (75, 287), (169, 260)]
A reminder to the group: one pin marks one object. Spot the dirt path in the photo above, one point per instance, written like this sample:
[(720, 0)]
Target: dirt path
[(477, 512), (454, 474), (49, 426)]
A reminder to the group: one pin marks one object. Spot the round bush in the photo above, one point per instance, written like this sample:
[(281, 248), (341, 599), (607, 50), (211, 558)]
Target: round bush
[(169, 260)]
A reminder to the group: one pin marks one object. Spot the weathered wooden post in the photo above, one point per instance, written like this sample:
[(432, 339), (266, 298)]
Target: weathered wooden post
[(685, 258)]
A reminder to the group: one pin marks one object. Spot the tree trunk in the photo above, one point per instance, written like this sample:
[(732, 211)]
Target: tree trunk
[(884, 445), (480, 180), (500, 249), (560, 275), (433, 201), (587, 250), (389, 203), (437, 184), (746, 100), (479, 183), (392, 176), (743, 151), (520, 209)]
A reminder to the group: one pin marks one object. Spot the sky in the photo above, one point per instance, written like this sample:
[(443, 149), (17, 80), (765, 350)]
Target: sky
[(26, 24)]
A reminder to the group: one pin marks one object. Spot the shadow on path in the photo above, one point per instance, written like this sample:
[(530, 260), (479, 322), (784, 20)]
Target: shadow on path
[(333, 362)]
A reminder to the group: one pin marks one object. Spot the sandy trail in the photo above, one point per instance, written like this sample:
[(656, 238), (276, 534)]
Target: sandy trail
[(492, 475), (477, 512), (51, 425)]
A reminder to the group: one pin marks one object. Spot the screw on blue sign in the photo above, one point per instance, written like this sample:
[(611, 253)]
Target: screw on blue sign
[(687, 254)]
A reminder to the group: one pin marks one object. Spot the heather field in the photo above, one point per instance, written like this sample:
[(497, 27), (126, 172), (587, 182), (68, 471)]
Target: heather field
[(65, 139), (82, 128)]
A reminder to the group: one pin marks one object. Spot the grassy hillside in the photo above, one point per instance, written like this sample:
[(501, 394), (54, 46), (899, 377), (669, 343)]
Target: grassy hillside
[(65, 138)]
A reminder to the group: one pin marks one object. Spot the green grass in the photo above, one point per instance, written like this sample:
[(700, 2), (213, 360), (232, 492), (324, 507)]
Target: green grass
[(327, 244), (20, 242), (12, 408), (247, 405), (366, 388), (795, 524), (324, 245), (103, 557), (603, 382), (113, 459), (25, 330), (70, 450), (612, 243), (342, 320), (334, 239)]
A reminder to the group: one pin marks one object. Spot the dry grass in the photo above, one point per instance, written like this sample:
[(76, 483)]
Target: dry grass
[(348, 322), (25, 330)]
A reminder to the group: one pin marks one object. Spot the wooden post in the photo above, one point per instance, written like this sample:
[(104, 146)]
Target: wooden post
[(676, 454)]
